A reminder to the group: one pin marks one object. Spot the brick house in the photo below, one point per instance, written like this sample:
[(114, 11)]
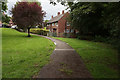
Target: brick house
[(10, 23), (59, 24)]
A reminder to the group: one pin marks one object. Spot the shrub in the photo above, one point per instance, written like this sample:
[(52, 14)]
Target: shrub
[(116, 43), (100, 39), (66, 35), (85, 37), (5, 25), (54, 34), (73, 35), (39, 31), (69, 35)]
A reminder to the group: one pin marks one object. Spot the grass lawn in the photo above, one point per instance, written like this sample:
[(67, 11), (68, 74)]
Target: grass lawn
[(100, 59), (23, 57)]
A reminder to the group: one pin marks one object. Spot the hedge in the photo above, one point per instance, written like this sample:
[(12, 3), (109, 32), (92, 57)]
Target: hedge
[(39, 31)]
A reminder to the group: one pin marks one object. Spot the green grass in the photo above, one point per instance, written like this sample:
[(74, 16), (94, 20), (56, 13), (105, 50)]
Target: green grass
[(23, 57), (100, 59)]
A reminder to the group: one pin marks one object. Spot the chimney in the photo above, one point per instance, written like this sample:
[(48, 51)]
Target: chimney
[(58, 13), (52, 16), (62, 11)]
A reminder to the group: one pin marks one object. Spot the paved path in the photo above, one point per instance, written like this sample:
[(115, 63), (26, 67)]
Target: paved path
[(64, 63)]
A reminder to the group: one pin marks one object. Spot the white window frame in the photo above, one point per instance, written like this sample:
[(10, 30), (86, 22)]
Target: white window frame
[(48, 24), (72, 30), (56, 24), (67, 30), (53, 24), (68, 24)]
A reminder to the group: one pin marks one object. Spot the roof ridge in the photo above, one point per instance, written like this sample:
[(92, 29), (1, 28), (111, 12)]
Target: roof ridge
[(56, 18), (57, 15)]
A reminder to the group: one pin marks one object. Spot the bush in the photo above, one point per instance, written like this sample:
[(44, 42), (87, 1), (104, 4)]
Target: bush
[(69, 35), (39, 31), (85, 37), (115, 43), (73, 35), (5, 25), (66, 35), (100, 39), (54, 34), (92, 38)]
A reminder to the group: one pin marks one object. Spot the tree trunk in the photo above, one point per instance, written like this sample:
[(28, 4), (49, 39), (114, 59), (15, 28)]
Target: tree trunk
[(29, 32)]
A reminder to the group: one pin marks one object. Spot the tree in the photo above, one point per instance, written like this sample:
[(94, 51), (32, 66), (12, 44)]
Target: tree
[(111, 19), (96, 18), (5, 18), (86, 17), (45, 23), (27, 15), (3, 5)]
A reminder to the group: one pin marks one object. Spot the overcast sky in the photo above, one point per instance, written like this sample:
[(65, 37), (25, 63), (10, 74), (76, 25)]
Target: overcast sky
[(46, 6)]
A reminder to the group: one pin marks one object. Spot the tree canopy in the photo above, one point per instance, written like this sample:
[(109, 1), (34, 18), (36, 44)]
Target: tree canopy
[(95, 18), (3, 4), (5, 17), (27, 15)]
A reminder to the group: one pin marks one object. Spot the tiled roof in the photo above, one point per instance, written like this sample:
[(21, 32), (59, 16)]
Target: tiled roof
[(56, 18)]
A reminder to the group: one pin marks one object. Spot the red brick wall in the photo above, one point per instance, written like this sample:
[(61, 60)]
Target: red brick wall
[(51, 27), (61, 26), (62, 23)]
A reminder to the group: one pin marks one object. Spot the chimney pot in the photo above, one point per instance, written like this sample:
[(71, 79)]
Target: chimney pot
[(63, 12), (52, 16), (58, 13)]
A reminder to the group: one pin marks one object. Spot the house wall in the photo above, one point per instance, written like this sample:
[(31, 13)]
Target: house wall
[(61, 25), (10, 23), (60, 29), (52, 27)]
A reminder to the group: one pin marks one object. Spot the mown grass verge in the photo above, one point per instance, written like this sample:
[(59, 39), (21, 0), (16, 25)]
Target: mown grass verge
[(101, 59), (23, 57)]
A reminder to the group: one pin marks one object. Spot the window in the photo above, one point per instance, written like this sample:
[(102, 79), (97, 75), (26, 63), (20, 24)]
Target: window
[(48, 24), (68, 24), (67, 30), (72, 30), (52, 24), (56, 24), (36, 26)]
